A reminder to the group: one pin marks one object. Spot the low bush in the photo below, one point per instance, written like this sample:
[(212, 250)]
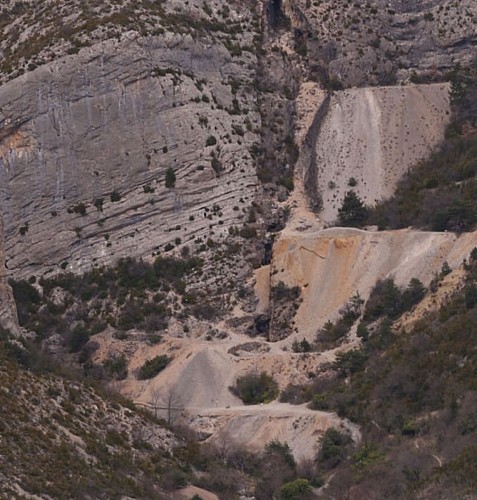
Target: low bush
[(153, 366), (256, 388)]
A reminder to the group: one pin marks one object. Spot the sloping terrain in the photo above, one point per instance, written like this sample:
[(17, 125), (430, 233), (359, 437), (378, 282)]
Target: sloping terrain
[(195, 388), (139, 129), (371, 136), (380, 42), (330, 266), (61, 439)]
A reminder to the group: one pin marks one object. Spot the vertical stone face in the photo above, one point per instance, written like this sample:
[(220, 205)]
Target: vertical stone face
[(8, 314), (113, 120)]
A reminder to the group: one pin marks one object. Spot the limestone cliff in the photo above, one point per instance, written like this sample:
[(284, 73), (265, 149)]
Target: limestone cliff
[(86, 142)]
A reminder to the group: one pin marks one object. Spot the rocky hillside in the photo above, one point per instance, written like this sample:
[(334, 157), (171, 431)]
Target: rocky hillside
[(168, 176), (383, 42), (60, 438)]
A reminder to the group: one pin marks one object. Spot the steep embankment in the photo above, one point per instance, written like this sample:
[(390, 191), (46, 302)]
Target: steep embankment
[(331, 265), (370, 137), (86, 142)]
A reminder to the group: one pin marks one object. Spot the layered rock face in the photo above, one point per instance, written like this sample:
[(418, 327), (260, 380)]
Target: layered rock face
[(87, 141)]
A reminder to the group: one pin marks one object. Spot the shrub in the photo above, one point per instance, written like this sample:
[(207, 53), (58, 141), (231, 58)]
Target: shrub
[(248, 232), (282, 292), (256, 388), (80, 208), (153, 366), (115, 196), (78, 338), (211, 141), (116, 366), (295, 490), (302, 346), (170, 178), (98, 203), (333, 448)]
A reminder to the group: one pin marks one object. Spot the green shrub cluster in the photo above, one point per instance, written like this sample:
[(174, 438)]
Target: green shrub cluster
[(153, 367), (402, 386), (441, 192), (256, 388), (135, 290)]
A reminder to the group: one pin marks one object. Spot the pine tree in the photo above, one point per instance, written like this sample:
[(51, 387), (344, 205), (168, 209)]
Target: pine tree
[(353, 212)]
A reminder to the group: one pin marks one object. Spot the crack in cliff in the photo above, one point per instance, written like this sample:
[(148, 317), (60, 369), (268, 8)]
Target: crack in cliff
[(310, 174)]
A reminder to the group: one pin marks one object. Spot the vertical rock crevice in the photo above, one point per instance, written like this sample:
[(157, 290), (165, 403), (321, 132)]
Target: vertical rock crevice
[(8, 312), (310, 166)]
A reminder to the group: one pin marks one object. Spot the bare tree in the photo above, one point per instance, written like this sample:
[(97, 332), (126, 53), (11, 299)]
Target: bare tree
[(166, 399)]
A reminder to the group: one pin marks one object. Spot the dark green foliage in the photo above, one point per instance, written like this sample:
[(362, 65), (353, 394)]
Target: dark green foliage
[(174, 270), (281, 292), (332, 333), (211, 141), (387, 299), (295, 490), (248, 232), (217, 165), (27, 299), (115, 196), (276, 467), (353, 212), (470, 295), (80, 208), (170, 178), (116, 366), (88, 299), (333, 448), (349, 362), (152, 367), (256, 388), (441, 193), (302, 346), (98, 203), (365, 458), (282, 449), (78, 337)]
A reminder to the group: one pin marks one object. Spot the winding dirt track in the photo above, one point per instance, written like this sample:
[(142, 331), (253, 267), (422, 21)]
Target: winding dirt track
[(329, 265)]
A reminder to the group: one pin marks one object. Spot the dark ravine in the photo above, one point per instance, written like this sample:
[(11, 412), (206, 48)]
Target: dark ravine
[(310, 171)]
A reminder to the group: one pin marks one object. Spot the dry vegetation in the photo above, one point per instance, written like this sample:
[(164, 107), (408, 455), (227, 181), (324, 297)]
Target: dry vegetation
[(34, 33)]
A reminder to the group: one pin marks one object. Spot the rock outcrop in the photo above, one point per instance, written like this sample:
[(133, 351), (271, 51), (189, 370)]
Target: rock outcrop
[(8, 316), (87, 141), (381, 41)]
